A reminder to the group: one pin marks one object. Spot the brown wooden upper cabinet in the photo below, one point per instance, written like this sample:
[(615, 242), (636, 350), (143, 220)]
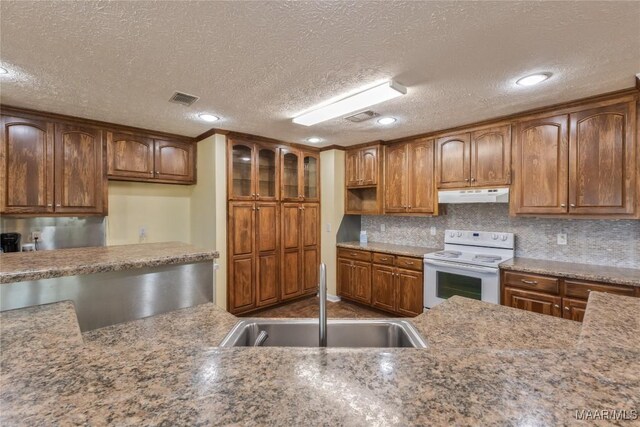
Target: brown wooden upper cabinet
[(52, 168), (362, 166), (481, 158), (142, 158), (300, 172), (253, 171), (409, 177), (583, 163)]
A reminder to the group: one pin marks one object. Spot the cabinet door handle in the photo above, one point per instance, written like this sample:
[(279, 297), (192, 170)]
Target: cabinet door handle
[(150, 172), (473, 180), (573, 205), (566, 308), (257, 209), (58, 205), (529, 282), (50, 204), (257, 195), (556, 305), (466, 180), (562, 205)]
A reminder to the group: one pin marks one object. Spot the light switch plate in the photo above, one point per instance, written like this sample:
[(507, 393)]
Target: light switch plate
[(562, 238), (432, 230), (328, 227)]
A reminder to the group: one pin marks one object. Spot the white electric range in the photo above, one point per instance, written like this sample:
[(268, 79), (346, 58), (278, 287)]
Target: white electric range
[(468, 266)]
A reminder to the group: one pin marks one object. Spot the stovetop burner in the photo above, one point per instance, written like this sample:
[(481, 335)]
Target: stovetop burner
[(449, 254), (487, 258)]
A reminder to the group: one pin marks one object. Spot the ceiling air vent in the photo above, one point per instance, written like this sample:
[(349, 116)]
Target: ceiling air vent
[(362, 116), (183, 98)]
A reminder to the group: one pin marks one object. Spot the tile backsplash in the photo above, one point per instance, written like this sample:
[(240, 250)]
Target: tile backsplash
[(602, 242)]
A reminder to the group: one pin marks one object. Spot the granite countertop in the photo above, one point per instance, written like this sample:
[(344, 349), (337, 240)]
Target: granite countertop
[(21, 266), (167, 370), (602, 329), (388, 248), (597, 273)]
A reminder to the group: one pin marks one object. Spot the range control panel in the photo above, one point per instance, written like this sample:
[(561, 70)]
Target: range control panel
[(492, 239)]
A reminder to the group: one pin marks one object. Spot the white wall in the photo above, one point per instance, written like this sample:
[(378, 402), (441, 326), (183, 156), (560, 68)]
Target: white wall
[(164, 210), (209, 208), (332, 210)]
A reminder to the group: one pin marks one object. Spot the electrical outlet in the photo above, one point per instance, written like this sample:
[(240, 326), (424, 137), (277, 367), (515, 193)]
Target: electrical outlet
[(36, 235), (562, 238), (142, 233), (432, 230), (383, 227)]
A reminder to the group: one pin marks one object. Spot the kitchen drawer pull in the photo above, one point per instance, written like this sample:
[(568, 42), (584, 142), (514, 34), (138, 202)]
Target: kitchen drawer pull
[(409, 262), (529, 282), (353, 254), (384, 259)]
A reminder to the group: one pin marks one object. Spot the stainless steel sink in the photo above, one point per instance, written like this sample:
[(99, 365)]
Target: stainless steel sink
[(340, 333)]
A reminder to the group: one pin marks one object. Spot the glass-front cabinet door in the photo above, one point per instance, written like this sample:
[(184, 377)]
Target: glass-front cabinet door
[(267, 173), (291, 175), (311, 165), (241, 173)]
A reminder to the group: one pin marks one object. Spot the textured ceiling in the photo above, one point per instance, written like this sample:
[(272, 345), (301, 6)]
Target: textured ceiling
[(258, 64)]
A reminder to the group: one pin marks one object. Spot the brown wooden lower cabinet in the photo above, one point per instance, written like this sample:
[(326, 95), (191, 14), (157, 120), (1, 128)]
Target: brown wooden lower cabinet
[(555, 296), (253, 255), (300, 249), (385, 286), (574, 309), (533, 301)]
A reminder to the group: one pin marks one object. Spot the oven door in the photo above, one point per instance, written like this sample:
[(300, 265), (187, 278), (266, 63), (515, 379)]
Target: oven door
[(443, 280)]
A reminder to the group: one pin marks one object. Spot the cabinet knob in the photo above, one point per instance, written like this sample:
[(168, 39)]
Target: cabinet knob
[(257, 195), (573, 205), (566, 308), (556, 305), (257, 209), (150, 172), (562, 205), (58, 205), (473, 180), (50, 204), (466, 180)]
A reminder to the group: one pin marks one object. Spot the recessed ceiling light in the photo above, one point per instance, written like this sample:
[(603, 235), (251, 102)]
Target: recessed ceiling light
[(209, 117), (533, 79), (359, 101), (387, 120), (3, 70), (314, 140)]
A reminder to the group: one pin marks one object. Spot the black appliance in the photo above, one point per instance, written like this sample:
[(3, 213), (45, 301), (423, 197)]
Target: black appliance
[(10, 242)]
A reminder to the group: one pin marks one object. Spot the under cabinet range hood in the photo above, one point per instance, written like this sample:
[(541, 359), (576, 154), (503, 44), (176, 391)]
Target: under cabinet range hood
[(492, 195)]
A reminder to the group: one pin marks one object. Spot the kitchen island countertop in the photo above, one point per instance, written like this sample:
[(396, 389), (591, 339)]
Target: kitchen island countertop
[(22, 266), (168, 370)]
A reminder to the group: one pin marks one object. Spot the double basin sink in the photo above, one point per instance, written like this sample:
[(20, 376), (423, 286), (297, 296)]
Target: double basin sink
[(340, 333)]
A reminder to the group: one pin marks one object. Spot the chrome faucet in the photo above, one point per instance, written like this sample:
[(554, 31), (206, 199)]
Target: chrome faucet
[(323, 305)]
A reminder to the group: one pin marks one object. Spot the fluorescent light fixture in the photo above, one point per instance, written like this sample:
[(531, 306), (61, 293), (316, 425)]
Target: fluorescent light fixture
[(3, 70), (387, 120), (533, 79), (359, 101), (314, 140), (209, 117)]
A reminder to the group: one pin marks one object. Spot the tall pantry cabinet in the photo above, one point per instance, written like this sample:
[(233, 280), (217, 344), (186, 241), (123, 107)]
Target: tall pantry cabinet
[(273, 223)]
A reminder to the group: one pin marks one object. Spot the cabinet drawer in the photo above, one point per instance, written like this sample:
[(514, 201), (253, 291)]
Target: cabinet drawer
[(409, 263), (384, 259), (576, 289), (354, 254), (532, 281)]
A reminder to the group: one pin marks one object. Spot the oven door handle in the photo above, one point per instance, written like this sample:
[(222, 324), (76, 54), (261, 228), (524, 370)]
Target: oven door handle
[(461, 266)]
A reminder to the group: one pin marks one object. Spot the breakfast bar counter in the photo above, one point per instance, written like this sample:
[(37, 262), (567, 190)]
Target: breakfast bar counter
[(23, 266)]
